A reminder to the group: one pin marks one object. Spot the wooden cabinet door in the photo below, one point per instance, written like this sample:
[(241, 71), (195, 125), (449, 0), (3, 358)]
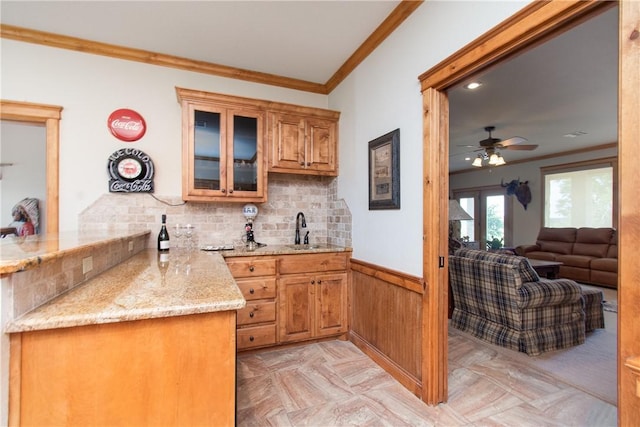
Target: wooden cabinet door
[(223, 156), (321, 145), (296, 308), (287, 142), (330, 304)]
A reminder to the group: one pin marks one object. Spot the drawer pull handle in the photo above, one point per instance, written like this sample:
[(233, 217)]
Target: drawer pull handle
[(251, 268), (251, 338), (252, 291), (251, 314)]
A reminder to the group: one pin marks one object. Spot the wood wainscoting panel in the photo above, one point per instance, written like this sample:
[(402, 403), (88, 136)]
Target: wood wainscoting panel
[(386, 319)]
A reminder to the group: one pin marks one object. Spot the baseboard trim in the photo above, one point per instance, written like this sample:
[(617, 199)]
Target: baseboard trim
[(411, 383)]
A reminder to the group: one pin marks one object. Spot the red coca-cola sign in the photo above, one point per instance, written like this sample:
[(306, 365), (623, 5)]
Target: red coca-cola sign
[(126, 125)]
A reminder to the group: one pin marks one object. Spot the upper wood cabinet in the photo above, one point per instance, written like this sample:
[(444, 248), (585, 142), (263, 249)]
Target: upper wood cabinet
[(304, 143), (222, 148)]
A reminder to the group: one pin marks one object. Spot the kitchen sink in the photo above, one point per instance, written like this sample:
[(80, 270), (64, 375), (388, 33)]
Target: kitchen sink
[(306, 247)]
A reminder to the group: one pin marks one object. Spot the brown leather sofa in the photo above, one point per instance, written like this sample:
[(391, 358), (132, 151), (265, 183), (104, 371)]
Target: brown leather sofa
[(588, 255)]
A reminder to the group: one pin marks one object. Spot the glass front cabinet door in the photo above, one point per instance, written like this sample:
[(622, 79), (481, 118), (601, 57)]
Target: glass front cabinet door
[(222, 149)]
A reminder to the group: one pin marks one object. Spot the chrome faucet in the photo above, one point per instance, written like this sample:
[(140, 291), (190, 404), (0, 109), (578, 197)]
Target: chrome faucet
[(298, 225)]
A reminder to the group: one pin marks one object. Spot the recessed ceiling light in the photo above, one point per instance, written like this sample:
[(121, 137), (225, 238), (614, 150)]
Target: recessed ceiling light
[(473, 85)]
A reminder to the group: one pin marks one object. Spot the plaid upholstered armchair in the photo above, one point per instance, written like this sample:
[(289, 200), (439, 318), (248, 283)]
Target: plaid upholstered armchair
[(501, 299)]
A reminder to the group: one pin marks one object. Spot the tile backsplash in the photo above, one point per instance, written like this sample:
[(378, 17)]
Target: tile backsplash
[(328, 219)]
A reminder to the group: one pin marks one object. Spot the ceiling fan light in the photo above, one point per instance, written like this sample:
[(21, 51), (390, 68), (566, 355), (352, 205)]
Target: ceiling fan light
[(493, 159), (477, 162), (500, 161)]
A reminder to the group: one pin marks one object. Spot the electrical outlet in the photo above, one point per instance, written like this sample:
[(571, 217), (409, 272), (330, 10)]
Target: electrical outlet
[(87, 264), (130, 246)]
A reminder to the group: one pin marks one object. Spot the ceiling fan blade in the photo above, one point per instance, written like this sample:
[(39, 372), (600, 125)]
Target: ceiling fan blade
[(521, 147), (512, 141)]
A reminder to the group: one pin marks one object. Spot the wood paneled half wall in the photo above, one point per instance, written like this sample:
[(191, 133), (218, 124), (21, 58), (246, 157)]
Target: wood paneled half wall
[(386, 319)]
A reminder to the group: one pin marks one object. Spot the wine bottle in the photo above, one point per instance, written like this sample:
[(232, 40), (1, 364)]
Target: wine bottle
[(163, 236)]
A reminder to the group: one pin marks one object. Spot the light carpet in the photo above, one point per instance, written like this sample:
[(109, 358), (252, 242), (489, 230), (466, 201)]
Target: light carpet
[(590, 367)]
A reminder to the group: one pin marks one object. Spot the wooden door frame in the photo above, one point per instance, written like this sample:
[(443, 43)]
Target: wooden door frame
[(533, 25), (49, 115)]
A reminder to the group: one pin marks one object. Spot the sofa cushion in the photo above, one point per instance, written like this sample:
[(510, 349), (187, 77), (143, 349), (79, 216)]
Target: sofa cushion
[(605, 264), (557, 247), (594, 235), (558, 240), (597, 250), (566, 234), (546, 256), (525, 270), (547, 292), (592, 241), (581, 261)]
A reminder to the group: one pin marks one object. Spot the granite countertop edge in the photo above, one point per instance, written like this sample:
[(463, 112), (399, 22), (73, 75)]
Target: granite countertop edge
[(24, 253), (194, 283)]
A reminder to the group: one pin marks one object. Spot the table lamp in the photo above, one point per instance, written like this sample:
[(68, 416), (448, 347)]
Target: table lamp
[(456, 214)]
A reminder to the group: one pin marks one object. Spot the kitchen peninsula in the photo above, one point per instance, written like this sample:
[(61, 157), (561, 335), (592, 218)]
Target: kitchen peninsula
[(145, 342)]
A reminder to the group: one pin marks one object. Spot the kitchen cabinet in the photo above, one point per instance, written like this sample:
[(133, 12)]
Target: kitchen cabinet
[(256, 322), (312, 295), (304, 143), (223, 155)]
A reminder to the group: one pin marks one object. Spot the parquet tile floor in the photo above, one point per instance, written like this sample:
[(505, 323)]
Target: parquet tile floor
[(333, 383)]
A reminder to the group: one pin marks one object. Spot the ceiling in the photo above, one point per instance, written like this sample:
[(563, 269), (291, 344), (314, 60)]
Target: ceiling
[(264, 36), (566, 85)]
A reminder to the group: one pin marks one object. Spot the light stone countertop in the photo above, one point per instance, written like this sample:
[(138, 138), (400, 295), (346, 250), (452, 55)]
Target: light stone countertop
[(194, 282), (285, 250), (23, 253)]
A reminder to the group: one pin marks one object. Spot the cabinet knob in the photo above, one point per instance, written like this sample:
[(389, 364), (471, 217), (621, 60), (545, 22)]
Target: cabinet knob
[(252, 291), (231, 191), (308, 163), (251, 338), (224, 190), (251, 268), (301, 163), (313, 282), (319, 282), (251, 314)]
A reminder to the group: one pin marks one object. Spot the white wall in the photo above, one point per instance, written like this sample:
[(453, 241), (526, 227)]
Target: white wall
[(383, 94), (90, 88), (526, 223), (23, 145)]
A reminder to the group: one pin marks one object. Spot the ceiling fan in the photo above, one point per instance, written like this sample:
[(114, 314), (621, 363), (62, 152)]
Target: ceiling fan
[(491, 147)]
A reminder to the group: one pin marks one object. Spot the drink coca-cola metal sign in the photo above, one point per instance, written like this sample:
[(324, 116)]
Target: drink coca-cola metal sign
[(130, 171), (126, 125)]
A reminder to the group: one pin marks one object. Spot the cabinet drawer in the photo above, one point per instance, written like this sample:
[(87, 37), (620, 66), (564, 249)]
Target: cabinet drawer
[(252, 267), (257, 312), (308, 263), (257, 336), (253, 289)]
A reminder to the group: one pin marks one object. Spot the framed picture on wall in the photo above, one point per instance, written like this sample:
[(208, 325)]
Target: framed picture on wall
[(384, 171)]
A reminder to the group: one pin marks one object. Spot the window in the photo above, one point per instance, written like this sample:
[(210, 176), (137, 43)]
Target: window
[(492, 214), (580, 195)]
